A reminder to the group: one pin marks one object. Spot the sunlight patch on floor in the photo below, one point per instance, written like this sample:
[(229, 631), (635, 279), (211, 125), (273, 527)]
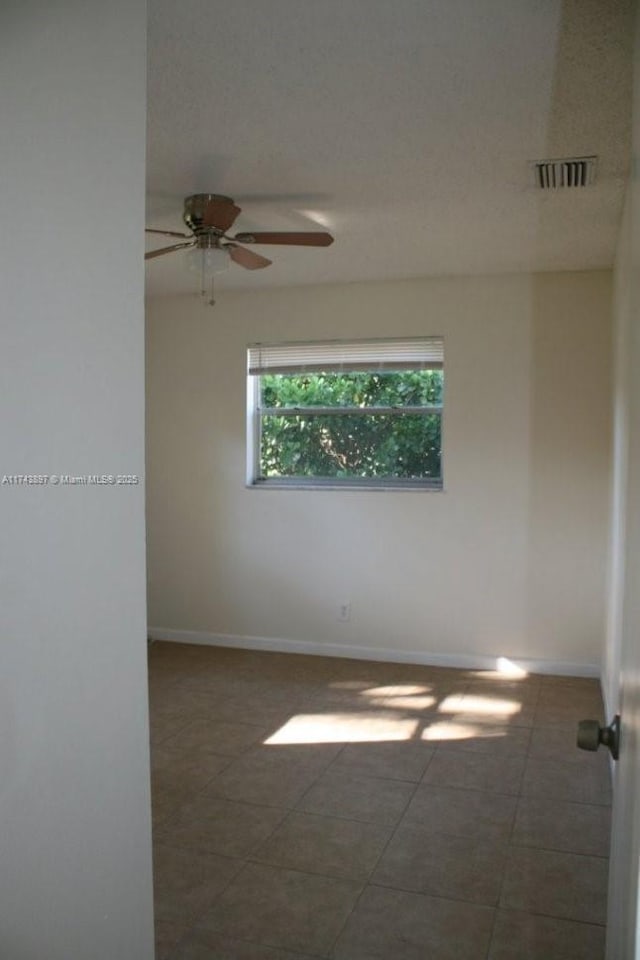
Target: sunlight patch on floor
[(481, 705), (412, 703), (341, 728), (397, 689), (402, 696), (450, 730), (363, 728), (405, 703), (507, 668)]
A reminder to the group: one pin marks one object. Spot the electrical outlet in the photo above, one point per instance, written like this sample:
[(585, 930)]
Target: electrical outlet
[(344, 611)]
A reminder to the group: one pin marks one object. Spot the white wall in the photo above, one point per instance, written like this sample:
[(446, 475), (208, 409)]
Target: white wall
[(75, 862), (509, 560)]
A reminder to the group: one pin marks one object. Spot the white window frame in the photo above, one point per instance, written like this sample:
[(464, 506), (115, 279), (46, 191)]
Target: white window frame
[(299, 357)]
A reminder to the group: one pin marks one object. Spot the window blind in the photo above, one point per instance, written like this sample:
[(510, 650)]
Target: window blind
[(340, 355)]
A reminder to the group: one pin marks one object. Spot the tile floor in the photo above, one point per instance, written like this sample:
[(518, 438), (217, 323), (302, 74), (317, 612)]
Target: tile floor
[(315, 807)]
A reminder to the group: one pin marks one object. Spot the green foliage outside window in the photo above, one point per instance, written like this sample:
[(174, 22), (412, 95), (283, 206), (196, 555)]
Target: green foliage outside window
[(374, 443)]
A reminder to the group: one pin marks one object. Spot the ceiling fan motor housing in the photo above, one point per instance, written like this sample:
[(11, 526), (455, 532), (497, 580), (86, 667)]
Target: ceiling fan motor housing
[(194, 214)]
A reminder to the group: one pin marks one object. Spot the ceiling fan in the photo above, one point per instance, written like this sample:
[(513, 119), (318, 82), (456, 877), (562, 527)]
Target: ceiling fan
[(209, 215)]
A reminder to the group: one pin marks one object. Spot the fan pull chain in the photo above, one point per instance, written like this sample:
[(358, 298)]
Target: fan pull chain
[(203, 282)]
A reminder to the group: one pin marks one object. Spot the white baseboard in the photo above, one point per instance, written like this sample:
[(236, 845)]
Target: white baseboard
[(467, 661)]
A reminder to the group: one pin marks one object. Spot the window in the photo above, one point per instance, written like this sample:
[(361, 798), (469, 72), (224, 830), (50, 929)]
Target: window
[(359, 414)]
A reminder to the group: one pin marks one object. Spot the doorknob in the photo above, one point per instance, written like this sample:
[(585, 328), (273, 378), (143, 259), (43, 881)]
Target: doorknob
[(591, 735)]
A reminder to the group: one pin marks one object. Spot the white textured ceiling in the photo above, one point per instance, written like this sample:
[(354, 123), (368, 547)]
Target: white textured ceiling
[(406, 127)]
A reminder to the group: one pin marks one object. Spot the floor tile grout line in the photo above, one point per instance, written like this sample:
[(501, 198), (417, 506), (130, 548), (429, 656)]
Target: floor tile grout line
[(288, 812), (252, 855), (182, 939), (197, 793), (448, 786), (553, 916), (193, 923), (326, 770), (509, 843), (307, 813), (451, 898), (253, 943), (434, 896), (417, 893), (378, 859), (263, 943), (309, 871), (514, 846), (561, 850)]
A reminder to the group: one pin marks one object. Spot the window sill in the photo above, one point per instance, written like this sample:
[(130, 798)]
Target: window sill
[(357, 485)]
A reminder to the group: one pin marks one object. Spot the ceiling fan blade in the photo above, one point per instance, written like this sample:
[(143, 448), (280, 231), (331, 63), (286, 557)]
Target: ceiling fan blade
[(176, 246), (220, 213), (295, 239), (247, 258), (167, 233)]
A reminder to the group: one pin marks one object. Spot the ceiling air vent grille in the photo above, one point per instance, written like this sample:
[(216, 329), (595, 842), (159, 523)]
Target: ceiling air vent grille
[(571, 172)]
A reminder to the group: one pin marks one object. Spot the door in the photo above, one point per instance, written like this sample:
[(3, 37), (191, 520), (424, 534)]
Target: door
[(622, 669), (623, 942)]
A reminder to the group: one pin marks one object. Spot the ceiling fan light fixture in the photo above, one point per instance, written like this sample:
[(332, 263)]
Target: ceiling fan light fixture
[(207, 261)]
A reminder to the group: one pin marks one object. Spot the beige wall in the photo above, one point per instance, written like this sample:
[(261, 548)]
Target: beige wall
[(75, 819), (507, 561)]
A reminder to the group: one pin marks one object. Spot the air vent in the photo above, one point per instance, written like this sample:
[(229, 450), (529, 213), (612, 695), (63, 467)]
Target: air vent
[(570, 172)]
